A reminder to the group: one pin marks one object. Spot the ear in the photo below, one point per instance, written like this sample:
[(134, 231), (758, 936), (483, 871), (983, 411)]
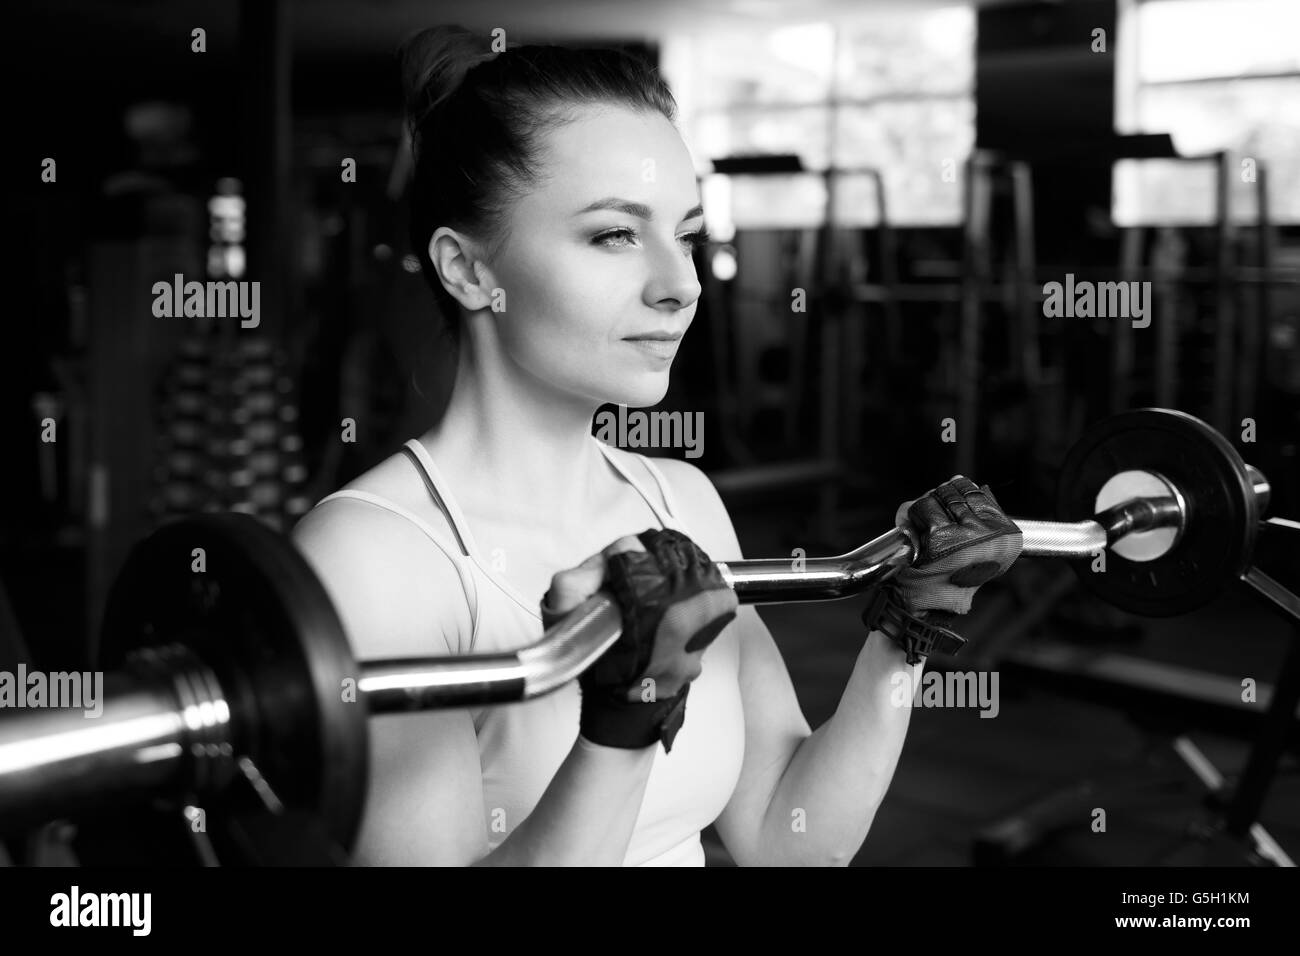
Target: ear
[(455, 258)]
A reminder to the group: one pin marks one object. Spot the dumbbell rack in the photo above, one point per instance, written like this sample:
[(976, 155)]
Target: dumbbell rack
[(228, 439)]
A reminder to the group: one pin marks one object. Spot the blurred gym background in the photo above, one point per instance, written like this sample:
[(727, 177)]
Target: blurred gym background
[(921, 169)]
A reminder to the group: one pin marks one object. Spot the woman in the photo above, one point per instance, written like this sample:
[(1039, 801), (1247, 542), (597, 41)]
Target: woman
[(555, 209)]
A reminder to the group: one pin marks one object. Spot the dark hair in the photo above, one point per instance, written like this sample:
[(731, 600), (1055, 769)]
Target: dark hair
[(476, 119)]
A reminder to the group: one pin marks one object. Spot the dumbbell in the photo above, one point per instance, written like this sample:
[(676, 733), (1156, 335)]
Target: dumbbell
[(232, 687)]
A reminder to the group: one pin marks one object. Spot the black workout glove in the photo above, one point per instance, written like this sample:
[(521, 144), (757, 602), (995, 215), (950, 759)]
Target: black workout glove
[(674, 603), (963, 539)]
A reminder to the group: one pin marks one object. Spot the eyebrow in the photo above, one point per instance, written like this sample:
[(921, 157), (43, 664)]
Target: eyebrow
[(639, 210)]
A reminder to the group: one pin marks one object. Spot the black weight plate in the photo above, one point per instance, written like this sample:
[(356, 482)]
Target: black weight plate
[(262, 621), (1219, 538)]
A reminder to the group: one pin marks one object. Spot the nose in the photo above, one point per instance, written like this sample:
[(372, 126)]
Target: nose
[(673, 283)]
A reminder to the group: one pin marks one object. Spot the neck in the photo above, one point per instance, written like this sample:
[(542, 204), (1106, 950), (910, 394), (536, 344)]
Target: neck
[(512, 440)]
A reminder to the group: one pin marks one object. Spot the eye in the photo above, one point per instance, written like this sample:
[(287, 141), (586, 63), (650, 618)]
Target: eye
[(608, 238), (696, 239), (623, 236)]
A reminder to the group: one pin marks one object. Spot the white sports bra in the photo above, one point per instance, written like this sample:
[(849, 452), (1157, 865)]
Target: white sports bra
[(522, 745)]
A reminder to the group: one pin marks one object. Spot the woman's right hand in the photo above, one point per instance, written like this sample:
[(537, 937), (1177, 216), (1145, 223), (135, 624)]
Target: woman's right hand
[(674, 603)]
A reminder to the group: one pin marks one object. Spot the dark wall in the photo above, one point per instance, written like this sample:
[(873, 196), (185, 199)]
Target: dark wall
[(1044, 95)]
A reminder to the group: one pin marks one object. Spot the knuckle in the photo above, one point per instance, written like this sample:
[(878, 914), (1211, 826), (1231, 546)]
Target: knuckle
[(626, 543)]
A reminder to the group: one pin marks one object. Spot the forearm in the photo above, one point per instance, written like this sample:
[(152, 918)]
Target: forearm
[(837, 777), (587, 813)]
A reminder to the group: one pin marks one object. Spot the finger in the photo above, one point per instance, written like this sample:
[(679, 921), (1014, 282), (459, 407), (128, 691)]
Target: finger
[(571, 587), (629, 542), (964, 485), (952, 494), (982, 500), (900, 516), (927, 513)]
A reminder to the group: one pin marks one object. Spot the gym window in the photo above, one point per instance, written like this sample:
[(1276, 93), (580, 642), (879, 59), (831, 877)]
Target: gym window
[(890, 90), (1215, 75)]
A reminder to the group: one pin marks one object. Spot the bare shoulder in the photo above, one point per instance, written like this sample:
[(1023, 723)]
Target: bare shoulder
[(397, 591), (701, 510), (394, 478)]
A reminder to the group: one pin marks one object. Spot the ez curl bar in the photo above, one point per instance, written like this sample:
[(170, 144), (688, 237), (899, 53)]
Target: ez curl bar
[(235, 690)]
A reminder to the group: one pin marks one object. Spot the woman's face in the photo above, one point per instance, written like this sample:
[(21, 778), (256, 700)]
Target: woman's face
[(597, 272)]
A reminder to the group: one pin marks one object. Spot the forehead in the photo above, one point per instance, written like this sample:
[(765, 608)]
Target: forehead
[(611, 151)]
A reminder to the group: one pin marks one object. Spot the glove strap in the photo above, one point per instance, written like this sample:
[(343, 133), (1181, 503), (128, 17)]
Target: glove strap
[(918, 638), (615, 722)]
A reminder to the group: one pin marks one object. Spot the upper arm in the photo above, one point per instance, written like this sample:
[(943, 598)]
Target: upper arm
[(774, 722), (398, 596)]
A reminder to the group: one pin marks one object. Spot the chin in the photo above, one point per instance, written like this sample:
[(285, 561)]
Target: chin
[(645, 391)]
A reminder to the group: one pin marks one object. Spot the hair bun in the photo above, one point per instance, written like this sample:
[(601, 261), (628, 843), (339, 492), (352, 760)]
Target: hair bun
[(434, 63)]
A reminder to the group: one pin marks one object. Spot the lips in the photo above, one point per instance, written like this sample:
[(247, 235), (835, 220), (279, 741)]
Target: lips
[(660, 350), (655, 337)]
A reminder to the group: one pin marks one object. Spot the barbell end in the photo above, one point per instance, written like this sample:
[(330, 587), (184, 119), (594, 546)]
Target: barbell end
[(1263, 490)]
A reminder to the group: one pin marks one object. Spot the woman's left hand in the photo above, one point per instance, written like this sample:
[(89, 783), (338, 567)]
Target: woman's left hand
[(963, 539)]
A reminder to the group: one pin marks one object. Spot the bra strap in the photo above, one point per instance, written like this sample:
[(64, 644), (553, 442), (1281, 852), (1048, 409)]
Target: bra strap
[(437, 498)]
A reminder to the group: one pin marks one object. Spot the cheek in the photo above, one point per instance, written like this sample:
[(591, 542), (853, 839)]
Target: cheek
[(565, 301)]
